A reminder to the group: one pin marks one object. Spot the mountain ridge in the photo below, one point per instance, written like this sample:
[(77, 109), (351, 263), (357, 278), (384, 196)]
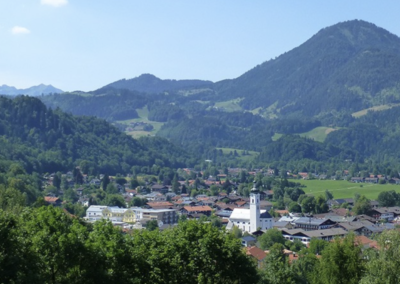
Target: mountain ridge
[(33, 91)]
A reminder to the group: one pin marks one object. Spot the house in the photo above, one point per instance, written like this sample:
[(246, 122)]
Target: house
[(248, 241), (206, 210), (52, 200), (357, 179), (257, 254), (306, 236), (310, 224), (371, 180), (385, 213), (160, 205), (159, 188)]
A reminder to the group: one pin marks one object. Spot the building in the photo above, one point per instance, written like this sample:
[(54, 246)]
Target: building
[(253, 219), (131, 215)]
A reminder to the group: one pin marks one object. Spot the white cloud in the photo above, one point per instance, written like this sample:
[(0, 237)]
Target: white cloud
[(54, 3), (17, 30)]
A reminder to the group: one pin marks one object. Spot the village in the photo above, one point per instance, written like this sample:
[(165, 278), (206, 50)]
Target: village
[(223, 201)]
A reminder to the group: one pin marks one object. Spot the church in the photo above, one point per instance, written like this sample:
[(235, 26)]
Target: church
[(250, 220)]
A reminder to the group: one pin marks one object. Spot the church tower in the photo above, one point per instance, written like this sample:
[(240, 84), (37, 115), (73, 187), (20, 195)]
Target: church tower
[(254, 209)]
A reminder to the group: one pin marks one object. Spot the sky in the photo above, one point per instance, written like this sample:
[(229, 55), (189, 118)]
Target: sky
[(87, 44)]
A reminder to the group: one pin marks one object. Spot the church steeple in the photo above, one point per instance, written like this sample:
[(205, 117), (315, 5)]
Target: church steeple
[(254, 208)]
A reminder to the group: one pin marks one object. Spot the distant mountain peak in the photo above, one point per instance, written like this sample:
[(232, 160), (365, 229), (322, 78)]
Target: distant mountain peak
[(31, 91), (148, 83)]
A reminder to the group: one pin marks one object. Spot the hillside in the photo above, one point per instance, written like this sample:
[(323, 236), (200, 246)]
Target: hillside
[(348, 67), (343, 68), (148, 83), (45, 140)]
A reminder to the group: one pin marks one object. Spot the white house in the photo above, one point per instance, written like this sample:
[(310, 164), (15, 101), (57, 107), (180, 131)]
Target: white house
[(250, 220)]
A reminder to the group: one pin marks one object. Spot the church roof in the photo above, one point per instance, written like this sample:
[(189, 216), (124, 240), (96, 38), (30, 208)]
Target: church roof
[(244, 214)]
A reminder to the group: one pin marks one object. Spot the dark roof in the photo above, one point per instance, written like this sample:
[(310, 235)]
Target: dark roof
[(248, 238), (265, 215), (310, 221)]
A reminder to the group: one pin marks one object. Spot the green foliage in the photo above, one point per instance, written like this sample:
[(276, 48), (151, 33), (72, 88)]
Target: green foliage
[(340, 263), (362, 206), (271, 237)]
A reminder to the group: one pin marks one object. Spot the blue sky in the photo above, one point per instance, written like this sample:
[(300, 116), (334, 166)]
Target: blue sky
[(86, 44)]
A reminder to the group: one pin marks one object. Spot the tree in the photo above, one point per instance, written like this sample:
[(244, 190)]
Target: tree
[(328, 195), (152, 225), (236, 232), (383, 263), (271, 237), (308, 204), (111, 189), (362, 205), (341, 263), (55, 243), (276, 268), (388, 198), (114, 200), (320, 205), (175, 184), (201, 254), (105, 181), (294, 207)]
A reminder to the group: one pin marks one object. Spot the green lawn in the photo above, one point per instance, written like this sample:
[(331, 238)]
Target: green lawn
[(319, 133), (232, 105), (143, 117), (375, 108), (251, 154), (345, 189)]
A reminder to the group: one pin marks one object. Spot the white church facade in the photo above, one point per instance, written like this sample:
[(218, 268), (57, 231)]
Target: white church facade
[(249, 220)]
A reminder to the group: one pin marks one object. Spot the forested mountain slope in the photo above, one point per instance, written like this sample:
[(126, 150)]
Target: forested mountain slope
[(345, 67), (46, 140)]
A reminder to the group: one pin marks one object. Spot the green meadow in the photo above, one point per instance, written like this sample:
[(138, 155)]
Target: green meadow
[(345, 189), (143, 117)]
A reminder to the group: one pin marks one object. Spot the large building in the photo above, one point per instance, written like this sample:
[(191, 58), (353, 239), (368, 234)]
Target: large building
[(131, 215), (253, 219)]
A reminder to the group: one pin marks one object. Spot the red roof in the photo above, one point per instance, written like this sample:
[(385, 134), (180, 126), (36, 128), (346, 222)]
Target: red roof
[(256, 252), (197, 208), (50, 199)]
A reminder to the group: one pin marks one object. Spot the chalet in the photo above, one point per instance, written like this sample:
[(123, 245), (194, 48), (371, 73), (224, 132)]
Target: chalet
[(206, 210), (309, 224), (371, 180), (306, 236), (385, 213), (361, 228), (159, 188)]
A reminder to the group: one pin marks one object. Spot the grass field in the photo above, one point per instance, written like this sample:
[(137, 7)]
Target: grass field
[(249, 157), (143, 117), (345, 189), (232, 105), (376, 108), (319, 133)]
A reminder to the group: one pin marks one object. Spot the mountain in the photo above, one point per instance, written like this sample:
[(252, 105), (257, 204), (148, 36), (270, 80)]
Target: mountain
[(342, 69), (148, 83), (32, 91), (346, 67)]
